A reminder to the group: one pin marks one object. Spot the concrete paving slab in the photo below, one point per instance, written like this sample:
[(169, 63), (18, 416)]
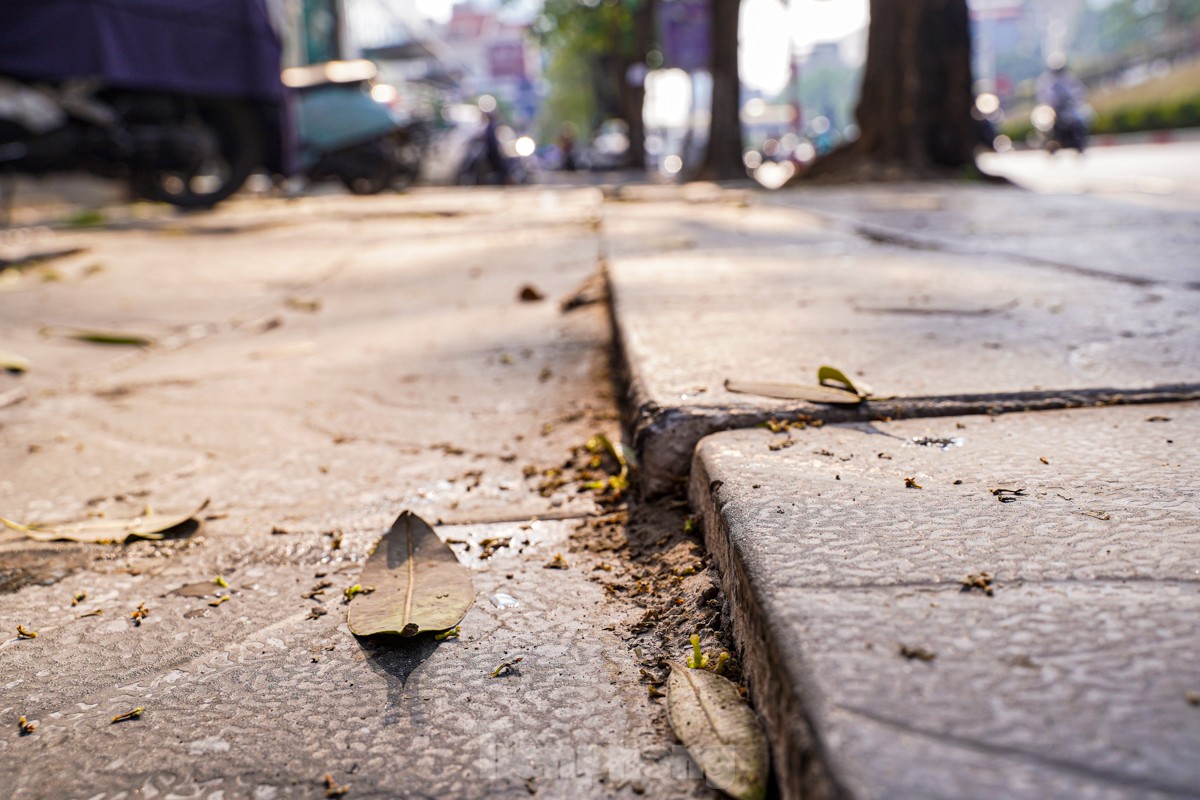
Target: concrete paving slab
[(1111, 239), (880, 675), (255, 699), (705, 294), (319, 365)]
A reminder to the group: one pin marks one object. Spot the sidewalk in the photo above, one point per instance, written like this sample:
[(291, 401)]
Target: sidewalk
[(317, 367), (936, 597), (982, 582)]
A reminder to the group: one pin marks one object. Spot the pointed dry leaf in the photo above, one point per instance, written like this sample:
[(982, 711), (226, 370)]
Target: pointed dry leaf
[(419, 584), (719, 731), (794, 391), (100, 530)]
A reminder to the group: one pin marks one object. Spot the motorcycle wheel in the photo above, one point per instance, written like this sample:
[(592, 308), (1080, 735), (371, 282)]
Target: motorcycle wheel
[(234, 151), (373, 173)]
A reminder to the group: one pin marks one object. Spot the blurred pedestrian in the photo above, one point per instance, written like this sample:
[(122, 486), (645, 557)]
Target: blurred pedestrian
[(495, 157), (566, 147)]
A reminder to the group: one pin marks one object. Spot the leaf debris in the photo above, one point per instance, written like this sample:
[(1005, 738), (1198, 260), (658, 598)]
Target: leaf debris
[(451, 633), (25, 727), (350, 592), (1007, 495), (981, 581), (917, 653), (507, 668), (139, 614), (25, 633), (96, 613), (332, 789), (134, 714), (216, 602), (911, 483), (317, 590), (558, 562)]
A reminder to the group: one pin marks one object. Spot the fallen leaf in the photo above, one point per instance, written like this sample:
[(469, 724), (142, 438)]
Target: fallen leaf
[(719, 731), (13, 362), (530, 294), (918, 653), (826, 373), (1007, 495), (420, 585), (794, 391), (100, 337), (332, 789), (134, 714), (99, 530), (309, 305)]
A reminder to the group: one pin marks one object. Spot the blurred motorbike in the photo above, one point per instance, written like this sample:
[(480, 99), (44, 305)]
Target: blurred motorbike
[(182, 100), (344, 133), (1062, 128)]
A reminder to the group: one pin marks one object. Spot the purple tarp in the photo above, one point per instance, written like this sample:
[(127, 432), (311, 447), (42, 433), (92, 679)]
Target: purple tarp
[(203, 47)]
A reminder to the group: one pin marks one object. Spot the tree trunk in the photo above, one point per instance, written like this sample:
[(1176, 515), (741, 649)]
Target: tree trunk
[(635, 92), (723, 156), (914, 111)]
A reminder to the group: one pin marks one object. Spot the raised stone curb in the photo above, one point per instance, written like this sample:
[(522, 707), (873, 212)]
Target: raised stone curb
[(880, 674)]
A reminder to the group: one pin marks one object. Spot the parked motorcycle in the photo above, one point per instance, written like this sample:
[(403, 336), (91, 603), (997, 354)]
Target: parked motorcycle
[(345, 134), (182, 100)]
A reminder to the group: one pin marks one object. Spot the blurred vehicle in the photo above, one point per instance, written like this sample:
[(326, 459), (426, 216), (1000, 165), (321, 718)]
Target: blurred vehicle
[(1061, 117), (345, 134), (610, 146), (1064, 128), (182, 100), (985, 116), (496, 155), (409, 144)]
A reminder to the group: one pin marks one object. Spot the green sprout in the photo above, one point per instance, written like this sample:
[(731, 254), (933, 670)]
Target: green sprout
[(719, 667), (697, 660), (350, 591), (451, 633), (220, 581)]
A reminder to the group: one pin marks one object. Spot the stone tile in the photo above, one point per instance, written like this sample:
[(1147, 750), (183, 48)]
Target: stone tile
[(1071, 681), (935, 333), (1110, 239)]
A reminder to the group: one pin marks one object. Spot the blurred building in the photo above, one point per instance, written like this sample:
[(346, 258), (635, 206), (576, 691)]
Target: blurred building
[(497, 58)]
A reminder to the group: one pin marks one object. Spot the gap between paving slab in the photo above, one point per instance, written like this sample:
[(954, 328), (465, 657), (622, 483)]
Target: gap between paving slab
[(1078, 678)]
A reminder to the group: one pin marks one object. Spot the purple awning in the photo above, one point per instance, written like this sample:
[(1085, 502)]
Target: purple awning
[(222, 48)]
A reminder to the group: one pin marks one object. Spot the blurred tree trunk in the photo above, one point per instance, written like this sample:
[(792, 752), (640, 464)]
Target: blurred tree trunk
[(723, 156), (633, 86), (914, 111)]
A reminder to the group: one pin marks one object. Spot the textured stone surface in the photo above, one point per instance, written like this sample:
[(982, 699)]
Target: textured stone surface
[(321, 364), (1071, 681), (707, 293), (254, 699)]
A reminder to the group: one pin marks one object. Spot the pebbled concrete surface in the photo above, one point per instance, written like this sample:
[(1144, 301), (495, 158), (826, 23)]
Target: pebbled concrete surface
[(762, 291), (1076, 679), (320, 364)]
